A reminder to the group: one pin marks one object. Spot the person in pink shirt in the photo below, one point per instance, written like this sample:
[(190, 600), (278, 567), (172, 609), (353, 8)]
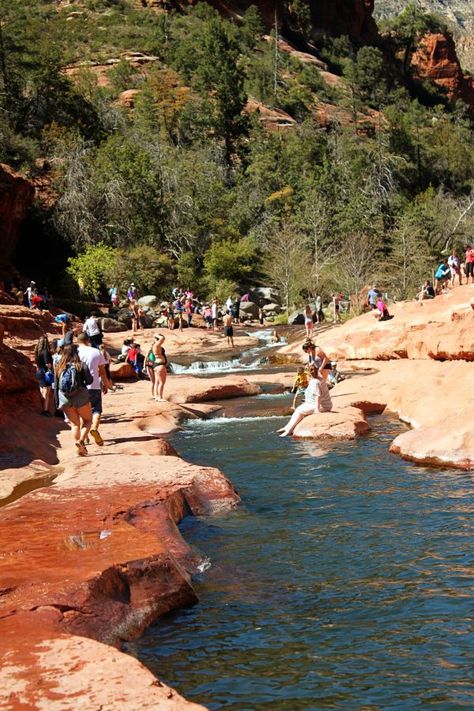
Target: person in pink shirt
[(469, 264)]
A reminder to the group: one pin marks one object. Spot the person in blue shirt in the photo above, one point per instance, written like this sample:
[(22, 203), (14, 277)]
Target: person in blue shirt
[(442, 275), (372, 297)]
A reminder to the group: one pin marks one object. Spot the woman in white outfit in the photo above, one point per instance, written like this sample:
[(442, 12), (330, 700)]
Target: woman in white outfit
[(317, 399)]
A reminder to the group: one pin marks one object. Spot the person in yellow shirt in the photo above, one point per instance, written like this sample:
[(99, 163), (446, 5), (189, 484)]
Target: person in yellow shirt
[(300, 385)]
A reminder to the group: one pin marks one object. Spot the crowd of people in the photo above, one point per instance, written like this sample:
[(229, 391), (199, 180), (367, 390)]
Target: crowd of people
[(73, 371)]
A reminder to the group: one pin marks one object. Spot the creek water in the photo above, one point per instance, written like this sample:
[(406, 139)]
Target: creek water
[(341, 582)]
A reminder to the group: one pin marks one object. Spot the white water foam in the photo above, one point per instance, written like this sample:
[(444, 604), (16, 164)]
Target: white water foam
[(224, 420)]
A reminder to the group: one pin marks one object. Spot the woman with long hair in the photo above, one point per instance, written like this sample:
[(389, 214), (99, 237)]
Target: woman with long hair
[(44, 373), (156, 362), (71, 378)]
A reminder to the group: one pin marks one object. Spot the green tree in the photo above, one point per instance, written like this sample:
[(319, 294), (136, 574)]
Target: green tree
[(287, 262), (152, 271), (366, 76), (220, 75), (410, 26), (233, 262), (94, 268)]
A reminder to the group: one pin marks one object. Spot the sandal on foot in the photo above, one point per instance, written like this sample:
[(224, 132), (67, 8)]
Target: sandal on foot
[(81, 449), (96, 436)]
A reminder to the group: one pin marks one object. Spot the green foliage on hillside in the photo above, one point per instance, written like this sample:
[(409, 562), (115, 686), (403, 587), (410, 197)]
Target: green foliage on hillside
[(186, 185)]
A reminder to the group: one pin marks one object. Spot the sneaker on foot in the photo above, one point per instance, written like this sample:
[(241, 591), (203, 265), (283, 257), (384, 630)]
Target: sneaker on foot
[(97, 438)]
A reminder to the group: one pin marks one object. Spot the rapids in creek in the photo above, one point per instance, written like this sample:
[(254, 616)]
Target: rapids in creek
[(343, 580)]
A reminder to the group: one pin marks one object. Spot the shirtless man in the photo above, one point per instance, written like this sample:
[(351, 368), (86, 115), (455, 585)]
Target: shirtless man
[(228, 329)]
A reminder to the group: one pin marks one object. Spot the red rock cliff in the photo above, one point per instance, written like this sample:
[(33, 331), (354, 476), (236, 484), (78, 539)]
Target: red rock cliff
[(436, 59), (16, 196)]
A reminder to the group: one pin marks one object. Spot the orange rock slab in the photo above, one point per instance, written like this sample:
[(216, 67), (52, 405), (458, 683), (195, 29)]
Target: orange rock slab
[(345, 423), (44, 672)]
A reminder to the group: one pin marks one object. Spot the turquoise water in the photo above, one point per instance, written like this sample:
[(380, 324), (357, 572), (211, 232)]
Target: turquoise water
[(344, 581)]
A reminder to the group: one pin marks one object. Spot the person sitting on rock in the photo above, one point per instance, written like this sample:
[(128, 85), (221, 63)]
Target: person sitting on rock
[(136, 359), (335, 376), (317, 399), (427, 291), (127, 344), (381, 312)]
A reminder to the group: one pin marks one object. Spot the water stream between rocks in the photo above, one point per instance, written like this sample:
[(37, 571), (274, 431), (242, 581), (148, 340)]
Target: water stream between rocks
[(342, 581)]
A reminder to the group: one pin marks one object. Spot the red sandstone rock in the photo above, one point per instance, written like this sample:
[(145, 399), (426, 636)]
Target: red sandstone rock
[(16, 196), (186, 388), (441, 329), (436, 59), (127, 98), (340, 424), (435, 398), (42, 671), (272, 119)]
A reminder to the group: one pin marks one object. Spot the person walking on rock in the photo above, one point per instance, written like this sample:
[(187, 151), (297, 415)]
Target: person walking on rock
[(469, 264), (132, 293), (95, 362), (71, 379), (214, 313), (317, 399), (44, 373), (156, 362), (228, 329), (455, 266), (319, 310), (336, 300), (92, 329), (308, 321)]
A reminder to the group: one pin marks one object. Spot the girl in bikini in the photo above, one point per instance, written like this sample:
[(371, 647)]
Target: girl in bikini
[(156, 366)]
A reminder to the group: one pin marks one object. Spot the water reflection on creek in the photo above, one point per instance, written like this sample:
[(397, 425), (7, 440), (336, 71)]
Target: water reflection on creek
[(343, 581)]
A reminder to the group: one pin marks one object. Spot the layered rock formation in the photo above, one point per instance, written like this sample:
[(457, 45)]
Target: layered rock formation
[(436, 60), (459, 15), (16, 196)]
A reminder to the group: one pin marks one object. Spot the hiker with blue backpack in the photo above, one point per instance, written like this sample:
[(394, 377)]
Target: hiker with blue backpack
[(71, 379)]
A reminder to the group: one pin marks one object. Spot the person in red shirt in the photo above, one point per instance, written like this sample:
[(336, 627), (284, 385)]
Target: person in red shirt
[(469, 264)]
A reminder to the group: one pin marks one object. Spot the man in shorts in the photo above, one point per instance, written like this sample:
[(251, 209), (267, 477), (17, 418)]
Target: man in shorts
[(469, 264), (228, 329), (96, 363)]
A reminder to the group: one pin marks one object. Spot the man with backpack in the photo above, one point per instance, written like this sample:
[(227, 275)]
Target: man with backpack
[(96, 363)]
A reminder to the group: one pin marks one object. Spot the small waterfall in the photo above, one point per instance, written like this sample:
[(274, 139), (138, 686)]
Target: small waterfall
[(248, 361), (202, 367)]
